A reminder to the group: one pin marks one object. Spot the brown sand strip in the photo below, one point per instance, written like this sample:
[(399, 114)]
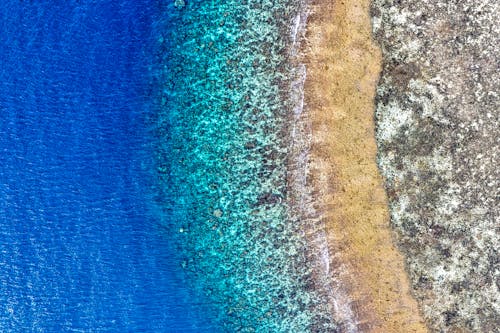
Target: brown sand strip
[(343, 65)]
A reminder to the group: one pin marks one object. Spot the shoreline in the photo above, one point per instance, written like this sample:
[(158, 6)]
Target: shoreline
[(301, 199), (341, 191)]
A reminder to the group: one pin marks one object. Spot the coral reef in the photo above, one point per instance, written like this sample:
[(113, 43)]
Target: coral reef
[(224, 133)]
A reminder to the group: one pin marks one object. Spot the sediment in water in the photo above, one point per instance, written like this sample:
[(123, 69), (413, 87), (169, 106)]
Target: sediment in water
[(339, 190)]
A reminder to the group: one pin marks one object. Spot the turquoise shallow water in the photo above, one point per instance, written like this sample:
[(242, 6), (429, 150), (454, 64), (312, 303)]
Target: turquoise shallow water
[(224, 129)]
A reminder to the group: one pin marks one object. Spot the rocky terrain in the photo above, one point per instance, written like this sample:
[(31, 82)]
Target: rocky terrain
[(438, 145)]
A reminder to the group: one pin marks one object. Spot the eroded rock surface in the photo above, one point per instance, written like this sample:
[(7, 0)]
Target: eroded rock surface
[(438, 139)]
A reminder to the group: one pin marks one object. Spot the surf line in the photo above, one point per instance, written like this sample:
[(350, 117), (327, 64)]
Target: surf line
[(365, 267)]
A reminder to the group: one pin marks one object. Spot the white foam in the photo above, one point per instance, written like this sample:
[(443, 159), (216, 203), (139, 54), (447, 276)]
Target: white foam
[(295, 29), (297, 89)]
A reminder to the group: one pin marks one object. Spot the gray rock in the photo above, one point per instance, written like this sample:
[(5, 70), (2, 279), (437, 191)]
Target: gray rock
[(437, 114)]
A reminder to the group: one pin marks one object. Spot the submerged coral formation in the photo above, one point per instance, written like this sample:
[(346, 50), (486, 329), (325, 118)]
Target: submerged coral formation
[(437, 131), (224, 132)]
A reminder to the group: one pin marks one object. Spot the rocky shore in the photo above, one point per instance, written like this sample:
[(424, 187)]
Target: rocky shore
[(437, 115)]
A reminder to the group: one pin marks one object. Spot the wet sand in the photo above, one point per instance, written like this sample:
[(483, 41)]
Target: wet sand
[(365, 266)]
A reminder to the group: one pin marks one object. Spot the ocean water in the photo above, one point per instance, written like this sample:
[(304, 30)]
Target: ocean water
[(230, 94), (81, 247), (145, 165)]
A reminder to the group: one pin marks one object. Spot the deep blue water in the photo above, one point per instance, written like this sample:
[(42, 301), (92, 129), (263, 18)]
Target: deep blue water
[(80, 244)]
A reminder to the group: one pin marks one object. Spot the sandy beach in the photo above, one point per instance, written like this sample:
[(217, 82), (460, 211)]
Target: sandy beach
[(365, 266)]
